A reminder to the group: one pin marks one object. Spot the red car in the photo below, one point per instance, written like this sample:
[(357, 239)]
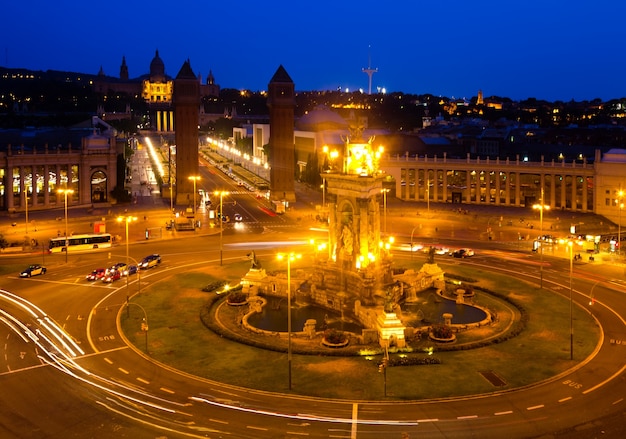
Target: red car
[(112, 276), (98, 273)]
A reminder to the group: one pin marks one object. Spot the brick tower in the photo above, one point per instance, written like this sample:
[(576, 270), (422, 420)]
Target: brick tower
[(186, 100), (281, 103)]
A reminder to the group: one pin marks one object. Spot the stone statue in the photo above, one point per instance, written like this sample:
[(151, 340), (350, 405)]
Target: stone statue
[(347, 240), (431, 256), (255, 264), (389, 300)]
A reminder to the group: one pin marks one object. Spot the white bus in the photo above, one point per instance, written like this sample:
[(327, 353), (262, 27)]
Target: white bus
[(82, 242)]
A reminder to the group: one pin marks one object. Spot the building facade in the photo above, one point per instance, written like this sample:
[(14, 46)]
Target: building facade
[(33, 173)]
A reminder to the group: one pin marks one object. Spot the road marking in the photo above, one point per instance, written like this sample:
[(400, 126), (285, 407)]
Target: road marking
[(535, 407), (355, 417), (123, 371), (565, 399), (107, 360), (171, 392), (141, 380), (508, 412), (252, 427), (460, 418)]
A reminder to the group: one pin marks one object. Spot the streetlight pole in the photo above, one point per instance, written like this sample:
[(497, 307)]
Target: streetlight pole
[(65, 192), (384, 191), (541, 207), (221, 220), (127, 220), (290, 257), (412, 241), (26, 205), (571, 322), (195, 178), (144, 321), (620, 194)]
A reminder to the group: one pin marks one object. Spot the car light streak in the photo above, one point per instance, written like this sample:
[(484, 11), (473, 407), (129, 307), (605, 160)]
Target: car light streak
[(59, 338), (139, 420), (11, 321), (300, 416), (266, 244), (38, 314), (59, 366)]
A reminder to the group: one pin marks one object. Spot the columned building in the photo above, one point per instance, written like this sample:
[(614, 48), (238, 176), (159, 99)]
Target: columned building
[(34, 172), (566, 186)]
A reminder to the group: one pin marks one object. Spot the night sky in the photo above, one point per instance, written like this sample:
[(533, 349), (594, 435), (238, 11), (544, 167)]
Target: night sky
[(548, 49)]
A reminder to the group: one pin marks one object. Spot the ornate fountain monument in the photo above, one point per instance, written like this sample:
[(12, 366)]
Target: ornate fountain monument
[(355, 275)]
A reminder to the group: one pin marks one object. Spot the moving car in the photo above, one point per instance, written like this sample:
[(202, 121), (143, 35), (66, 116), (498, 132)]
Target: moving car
[(462, 253), (112, 276), (150, 261), (96, 274), (33, 270), (122, 267), (238, 217)]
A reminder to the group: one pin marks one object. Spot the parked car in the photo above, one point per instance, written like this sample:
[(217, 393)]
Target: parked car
[(33, 270), (96, 274), (150, 261), (112, 276)]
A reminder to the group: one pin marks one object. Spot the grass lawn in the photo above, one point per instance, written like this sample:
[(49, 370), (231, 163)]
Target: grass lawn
[(178, 338)]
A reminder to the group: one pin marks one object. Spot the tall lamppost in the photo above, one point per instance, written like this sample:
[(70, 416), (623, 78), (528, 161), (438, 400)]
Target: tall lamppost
[(571, 322), (620, 205), (26, 205), (570, 245), (221, 194), (541, 208), (127, 220), (290, 257), (194, 178), (413, 230), (169, 177), (144, 321), (65, 192), (384, 191)]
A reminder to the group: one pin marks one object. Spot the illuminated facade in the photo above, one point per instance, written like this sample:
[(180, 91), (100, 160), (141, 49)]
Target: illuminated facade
[(35, 171)]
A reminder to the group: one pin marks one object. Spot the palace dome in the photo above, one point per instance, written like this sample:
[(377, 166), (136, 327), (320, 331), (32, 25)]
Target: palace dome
[(157, 68)]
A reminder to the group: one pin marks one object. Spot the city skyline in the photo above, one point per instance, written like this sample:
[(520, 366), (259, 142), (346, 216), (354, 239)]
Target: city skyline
[(551, 51)]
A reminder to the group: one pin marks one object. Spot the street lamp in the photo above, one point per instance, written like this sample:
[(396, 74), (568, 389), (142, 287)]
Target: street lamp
[(144, 321), (620, 205), (290, 257), (221, 194), (26, 205), (384, 192), (413, 230), (541, 208), (571, 323), (570, 245), (127, 220), (194, 178), (65, 192)]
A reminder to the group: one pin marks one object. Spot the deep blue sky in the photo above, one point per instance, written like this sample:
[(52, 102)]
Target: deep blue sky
[(546, 49)]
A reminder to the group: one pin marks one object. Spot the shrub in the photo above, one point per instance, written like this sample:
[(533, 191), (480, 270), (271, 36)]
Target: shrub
[(335, 337), (441, 331), (237, 297)]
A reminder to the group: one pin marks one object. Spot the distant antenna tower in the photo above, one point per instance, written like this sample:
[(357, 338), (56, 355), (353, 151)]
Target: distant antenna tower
[(369, 70)]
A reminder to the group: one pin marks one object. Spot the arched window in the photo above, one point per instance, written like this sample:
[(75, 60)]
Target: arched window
[(98, 187)]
